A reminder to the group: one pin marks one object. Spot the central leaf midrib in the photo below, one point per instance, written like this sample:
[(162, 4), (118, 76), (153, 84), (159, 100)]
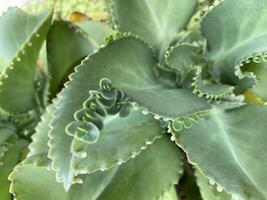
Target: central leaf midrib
[(154, 17), (218, 120), (220, 57)]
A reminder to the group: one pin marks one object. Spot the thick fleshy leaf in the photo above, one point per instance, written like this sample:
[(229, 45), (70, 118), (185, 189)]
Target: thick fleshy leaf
[(208, 191), (146, 177), (31, 182), (8, 162), (66, 40), (155, 21), (206, 88), (234, 36), (120, 140), (40, 138), (7, 136), (128, 63), (180, 57), (20, 47), (96, 30), (225, 144)]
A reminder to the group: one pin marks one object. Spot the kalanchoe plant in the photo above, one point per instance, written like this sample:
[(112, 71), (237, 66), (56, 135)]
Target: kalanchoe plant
[(167, 104)]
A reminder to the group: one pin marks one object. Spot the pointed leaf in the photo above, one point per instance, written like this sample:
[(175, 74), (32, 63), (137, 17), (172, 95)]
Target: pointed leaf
[(96, 30), (21, 44), (65, 40)]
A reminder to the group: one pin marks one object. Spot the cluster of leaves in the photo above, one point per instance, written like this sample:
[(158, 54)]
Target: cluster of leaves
[(93, 112)]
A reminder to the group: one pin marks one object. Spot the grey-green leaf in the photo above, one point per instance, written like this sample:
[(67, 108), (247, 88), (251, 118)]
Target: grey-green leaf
[(20, 47), (66, 40), (225, 144), (208, 191), (156, 21), (149, 176), (234, 35)]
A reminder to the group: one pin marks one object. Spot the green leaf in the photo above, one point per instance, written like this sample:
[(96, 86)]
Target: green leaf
[(128, 63), (208, 191), (180, 57), (7, 136), (20, 47), (29, 182), (8, 162), (233, 37), (207, 88), (120, 140), (155, 21), (69, 41), (169, 104), (146, 177), (40, 138), (96, 30), (225, 144)]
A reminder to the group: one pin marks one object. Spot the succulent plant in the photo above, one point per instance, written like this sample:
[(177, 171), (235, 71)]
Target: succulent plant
[(168, 102)]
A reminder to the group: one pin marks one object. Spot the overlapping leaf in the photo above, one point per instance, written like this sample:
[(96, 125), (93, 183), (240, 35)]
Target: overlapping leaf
[(128, 63), (120, 140), (67, 45), (21, 39), (40, 138), (225, 144), (235, 30), (8, 162), (96, 30), (208, 191), (145, 178), (155, 21)]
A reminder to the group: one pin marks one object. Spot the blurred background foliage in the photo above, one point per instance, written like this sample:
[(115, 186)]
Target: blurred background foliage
[(94, 9)]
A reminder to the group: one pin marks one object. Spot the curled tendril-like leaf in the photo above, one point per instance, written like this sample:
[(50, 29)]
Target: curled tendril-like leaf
[(89, 120), (180, 56), (249, 77), (179, 124), (84, 131), (211, 91)]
